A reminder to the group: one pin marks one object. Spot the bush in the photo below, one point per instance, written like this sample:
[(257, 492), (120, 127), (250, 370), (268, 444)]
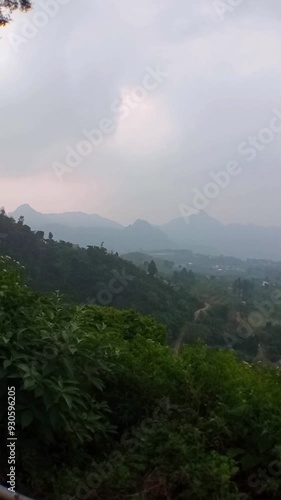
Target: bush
[(115, 411)]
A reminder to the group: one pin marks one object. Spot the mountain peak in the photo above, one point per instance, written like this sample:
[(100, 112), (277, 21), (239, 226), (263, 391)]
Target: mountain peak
[(26, 207), (139, 223)]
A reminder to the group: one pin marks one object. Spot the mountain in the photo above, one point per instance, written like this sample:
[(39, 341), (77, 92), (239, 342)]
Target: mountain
[(204, 234), (199, 233), (195, 233), (144, 236), (71, 219), (85, 229)]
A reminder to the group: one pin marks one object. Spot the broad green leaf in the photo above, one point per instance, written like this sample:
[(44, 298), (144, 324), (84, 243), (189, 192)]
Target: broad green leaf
[(7, 363), (68, 400)]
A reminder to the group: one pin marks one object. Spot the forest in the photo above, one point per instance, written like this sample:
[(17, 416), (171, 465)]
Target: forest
[(107, 405)]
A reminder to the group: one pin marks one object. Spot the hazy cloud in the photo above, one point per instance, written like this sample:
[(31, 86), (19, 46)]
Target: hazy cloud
[(223, 82)]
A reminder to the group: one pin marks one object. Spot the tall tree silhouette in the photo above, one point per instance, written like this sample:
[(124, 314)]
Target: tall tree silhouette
[(152, 269)]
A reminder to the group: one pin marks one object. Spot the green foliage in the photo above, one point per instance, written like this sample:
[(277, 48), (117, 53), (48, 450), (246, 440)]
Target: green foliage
[(54, 366), (129, 323), (152, 269), (270, 337), (184, 277), (112, 408), (92, 276)]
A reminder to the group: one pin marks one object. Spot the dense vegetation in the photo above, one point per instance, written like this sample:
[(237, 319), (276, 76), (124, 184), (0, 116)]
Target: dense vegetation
[(243, 313), (93, 275), (118, 413), (105, 408)]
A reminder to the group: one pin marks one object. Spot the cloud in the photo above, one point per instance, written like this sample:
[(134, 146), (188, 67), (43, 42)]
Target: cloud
[(223, 82), (44, 193)]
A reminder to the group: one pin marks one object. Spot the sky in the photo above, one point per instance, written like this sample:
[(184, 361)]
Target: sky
[(168, 92)]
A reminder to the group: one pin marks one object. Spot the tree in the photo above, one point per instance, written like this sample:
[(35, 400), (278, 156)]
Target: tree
[(51, 236), (102, 247), (237, 286), (21, 220), (152, 269), (183, 274), (247, 287), (191, 277), (9, 6), (39, 235), (169, 264)]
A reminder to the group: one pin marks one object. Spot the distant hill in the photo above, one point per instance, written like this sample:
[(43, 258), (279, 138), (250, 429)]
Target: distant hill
[(195, 233), (204, 234), (199, 233), (38, 220), (85, 229), (142, 235), (92, 275)]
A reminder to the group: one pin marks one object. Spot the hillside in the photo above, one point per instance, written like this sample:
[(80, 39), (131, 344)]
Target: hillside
[(86, 229), (92, 275), (119, 416)]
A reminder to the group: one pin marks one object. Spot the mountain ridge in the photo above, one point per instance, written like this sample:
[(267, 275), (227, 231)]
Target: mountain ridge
[(201, 233), (66, 218)]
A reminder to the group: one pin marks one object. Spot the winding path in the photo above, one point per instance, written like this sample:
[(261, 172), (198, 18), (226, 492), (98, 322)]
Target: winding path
[(204, 310), (197, 315)]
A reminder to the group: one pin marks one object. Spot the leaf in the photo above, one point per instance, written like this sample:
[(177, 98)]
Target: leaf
[(265, 443), (26, 418), (235, 470), (249, 461), (68, 400), (53, 416), (7, 363), (39, 392), (21, 330), (238, 411), (96, 382), (73, 350), (234, 452), (29, 383), (23, 367)]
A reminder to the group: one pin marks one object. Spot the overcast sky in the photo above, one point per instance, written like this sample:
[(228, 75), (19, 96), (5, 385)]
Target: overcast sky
[(221, 80)]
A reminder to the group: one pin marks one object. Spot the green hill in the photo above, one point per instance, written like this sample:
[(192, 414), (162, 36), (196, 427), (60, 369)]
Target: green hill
[(92, 275), (105, 410)]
